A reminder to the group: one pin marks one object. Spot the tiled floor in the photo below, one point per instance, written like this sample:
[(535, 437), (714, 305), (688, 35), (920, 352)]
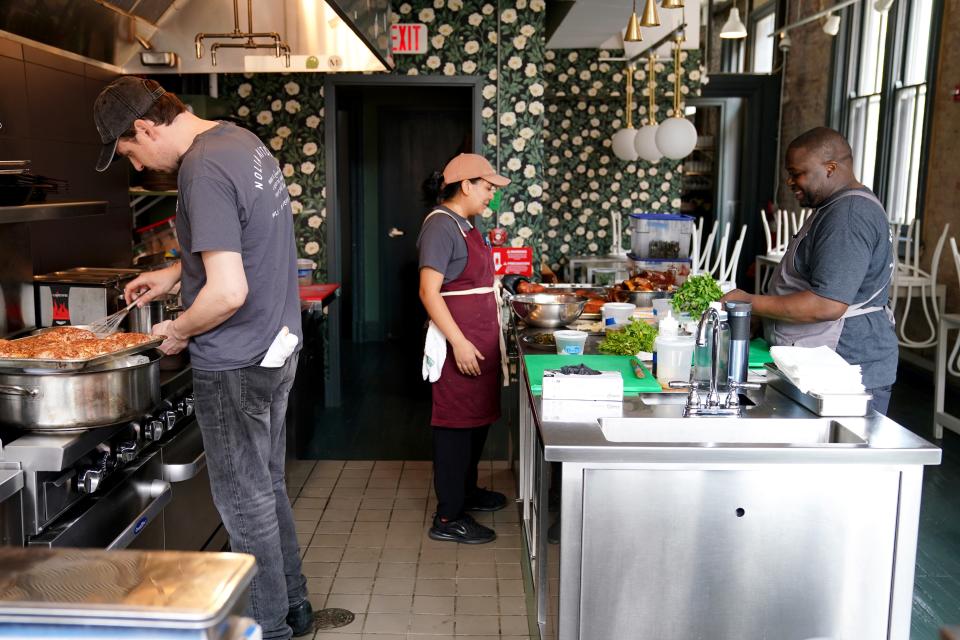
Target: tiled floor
[(362, 527)]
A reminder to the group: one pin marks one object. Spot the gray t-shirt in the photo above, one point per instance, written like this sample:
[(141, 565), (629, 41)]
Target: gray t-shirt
[(846, 257), (232, 197), (442, 246)]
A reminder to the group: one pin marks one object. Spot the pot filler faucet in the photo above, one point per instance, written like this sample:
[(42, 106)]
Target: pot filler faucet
[(711, 404)]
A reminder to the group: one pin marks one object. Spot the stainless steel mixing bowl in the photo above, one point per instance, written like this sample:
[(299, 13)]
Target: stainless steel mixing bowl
[(547, 310)]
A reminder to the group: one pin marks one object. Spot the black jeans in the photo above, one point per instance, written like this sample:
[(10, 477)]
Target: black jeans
[(456, 454), (242, 419)]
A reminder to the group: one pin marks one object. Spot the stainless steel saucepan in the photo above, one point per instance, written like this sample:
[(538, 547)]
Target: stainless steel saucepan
[(59, 400)]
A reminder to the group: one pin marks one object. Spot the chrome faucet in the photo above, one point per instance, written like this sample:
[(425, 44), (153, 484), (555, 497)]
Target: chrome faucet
[(711, 404), (713, 396)]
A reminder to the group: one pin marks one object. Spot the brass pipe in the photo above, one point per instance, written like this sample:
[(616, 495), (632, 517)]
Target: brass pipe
[(652, 89), (676, 79), (630, 96)]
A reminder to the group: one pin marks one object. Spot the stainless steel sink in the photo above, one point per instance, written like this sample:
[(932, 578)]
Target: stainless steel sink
[(721, 431)]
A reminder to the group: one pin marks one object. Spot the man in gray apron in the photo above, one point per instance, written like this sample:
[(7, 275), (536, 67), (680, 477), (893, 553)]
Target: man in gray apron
[(831, 287)]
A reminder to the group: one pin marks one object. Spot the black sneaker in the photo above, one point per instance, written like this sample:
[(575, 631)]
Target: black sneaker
[(464, 529), (483, 500), (300, 619)]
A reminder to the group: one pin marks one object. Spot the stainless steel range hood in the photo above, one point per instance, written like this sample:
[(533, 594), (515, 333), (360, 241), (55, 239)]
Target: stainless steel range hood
[(323, 36)]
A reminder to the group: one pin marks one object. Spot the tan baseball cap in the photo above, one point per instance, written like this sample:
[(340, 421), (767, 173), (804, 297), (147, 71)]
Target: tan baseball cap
[(468, 166)]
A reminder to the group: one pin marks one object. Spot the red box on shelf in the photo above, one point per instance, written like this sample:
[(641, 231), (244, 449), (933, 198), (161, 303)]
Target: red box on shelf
[(513, 260)]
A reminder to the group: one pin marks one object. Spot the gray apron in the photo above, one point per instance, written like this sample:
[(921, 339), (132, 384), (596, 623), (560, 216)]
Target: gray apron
[(787, 280)]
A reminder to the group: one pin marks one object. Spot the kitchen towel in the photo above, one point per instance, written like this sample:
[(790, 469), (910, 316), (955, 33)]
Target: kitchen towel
[(281, 348), (434, 353), (818, 370)]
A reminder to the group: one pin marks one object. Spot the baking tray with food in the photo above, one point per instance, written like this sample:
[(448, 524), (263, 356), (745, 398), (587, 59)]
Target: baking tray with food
[(70, 349)]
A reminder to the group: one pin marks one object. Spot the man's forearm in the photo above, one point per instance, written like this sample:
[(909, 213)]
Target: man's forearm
[(801, 307)]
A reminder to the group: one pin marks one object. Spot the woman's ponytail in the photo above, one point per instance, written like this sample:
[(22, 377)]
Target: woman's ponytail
[(433, 189)]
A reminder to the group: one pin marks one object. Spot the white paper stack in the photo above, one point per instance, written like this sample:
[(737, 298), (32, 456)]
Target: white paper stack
[(818, 370), (608, 385)]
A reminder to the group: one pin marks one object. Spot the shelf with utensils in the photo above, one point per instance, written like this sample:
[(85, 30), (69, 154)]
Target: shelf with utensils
[(141, 200)]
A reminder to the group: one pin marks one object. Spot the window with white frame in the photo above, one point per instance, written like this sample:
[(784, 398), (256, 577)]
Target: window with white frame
[(863, 105), (887, 84), (909, 107), (762, 42)]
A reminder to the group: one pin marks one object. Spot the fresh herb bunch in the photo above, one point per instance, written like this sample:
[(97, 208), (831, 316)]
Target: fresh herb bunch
[(695, 295), (634, 337)]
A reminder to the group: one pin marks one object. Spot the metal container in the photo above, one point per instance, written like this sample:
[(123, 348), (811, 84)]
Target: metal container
[(547, 310), (56, 400), (142, 319), (834, 404), (639, 298)]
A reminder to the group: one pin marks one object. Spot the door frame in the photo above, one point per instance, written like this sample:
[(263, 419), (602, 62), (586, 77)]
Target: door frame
[(332, 393)]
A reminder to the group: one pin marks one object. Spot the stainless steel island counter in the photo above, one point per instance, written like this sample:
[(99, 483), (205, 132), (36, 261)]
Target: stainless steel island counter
[(778, 524)]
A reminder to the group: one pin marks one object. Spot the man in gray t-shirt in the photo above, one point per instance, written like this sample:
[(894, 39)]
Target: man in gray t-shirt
[(239, 285), (831, 287)]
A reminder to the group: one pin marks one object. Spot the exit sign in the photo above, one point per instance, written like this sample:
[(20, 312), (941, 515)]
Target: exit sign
[(408, 38)]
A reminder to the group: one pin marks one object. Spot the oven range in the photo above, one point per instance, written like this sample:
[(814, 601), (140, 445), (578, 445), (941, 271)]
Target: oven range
[(140, 484)]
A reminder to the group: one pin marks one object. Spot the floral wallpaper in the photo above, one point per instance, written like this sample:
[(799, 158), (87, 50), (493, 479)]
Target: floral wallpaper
[(586, 183), (547, 116), (286, 112)]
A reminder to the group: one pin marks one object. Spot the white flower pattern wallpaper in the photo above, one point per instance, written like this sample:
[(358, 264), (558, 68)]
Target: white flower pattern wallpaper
[(547, 117)]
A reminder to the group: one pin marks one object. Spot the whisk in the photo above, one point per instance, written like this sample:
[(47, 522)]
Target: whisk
[(107, 326)]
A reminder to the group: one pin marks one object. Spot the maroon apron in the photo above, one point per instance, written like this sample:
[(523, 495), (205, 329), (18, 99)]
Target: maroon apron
[(460, 400)]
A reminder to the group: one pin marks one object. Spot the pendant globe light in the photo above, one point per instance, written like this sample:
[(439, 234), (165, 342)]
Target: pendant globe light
[(676, 136), (646, 140), (623, 140)]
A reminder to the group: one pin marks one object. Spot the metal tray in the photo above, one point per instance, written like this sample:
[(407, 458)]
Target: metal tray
[(45, 365), (834, 404)]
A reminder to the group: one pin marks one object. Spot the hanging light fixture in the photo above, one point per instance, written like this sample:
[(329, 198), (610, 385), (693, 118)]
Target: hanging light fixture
[(676, 136), (650, 17), (831, 25), (671, 4), (633, 27), (646, 140), (733, 28), (623, 140)]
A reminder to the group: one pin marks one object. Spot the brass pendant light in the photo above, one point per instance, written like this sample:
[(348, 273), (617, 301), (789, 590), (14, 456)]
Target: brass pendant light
[(633, 27), (672, 4), (650, 17)]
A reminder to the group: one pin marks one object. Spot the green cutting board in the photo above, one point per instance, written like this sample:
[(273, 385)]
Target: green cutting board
[(632, 385), (759, 353)]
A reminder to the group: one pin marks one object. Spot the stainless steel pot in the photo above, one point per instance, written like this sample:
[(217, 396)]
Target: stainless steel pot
[(54, 400), (142, 319)]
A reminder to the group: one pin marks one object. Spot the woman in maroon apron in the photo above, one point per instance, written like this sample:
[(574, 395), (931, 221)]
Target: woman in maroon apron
[(457, 289)]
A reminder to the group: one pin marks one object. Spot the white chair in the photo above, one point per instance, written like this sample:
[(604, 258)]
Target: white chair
[(945, 365), (910, 281), (722, 267)]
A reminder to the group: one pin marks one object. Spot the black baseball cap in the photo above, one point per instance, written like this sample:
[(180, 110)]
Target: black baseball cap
[(117, 107)]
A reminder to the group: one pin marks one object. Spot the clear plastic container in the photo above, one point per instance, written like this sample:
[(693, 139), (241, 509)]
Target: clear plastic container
[(674, 352), (662, 236), (678, 269), (569, 342), (616, 314)]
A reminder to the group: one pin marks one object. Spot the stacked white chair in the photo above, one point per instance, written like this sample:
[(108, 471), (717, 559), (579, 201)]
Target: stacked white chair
[(945, 365), (910, 281), (722, 266)]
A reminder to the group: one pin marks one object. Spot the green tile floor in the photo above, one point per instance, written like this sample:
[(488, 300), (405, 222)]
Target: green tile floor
[(386, 413)]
